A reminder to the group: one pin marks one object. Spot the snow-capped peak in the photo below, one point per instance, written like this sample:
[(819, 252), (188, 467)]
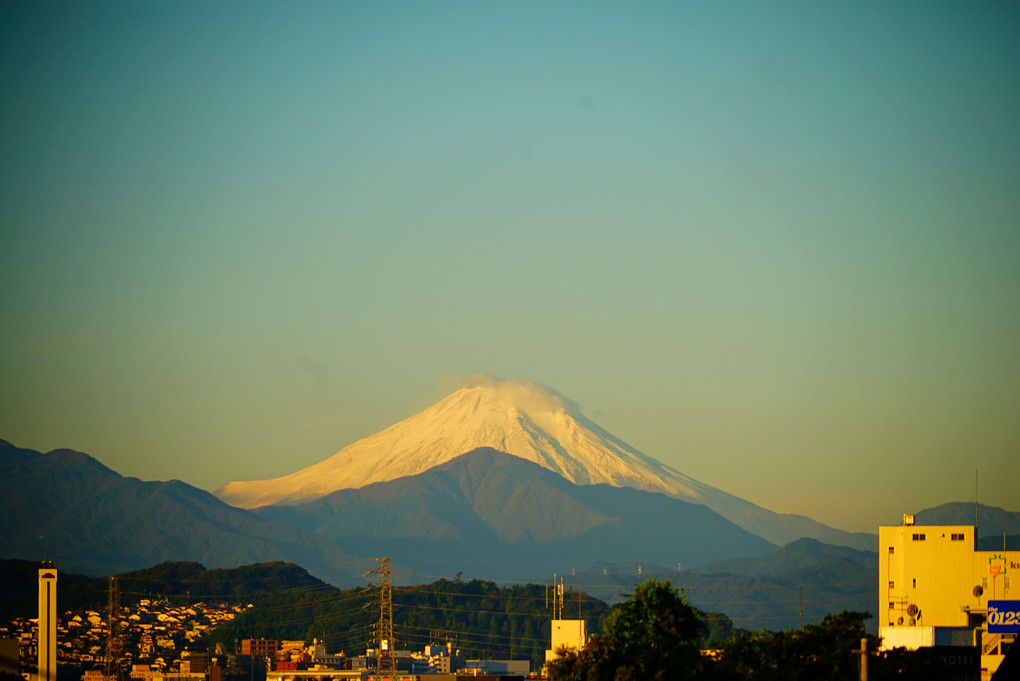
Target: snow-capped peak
[(521, 418), (524, 419)]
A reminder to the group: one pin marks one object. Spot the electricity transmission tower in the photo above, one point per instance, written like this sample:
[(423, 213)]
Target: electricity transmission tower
[(386, 663), (114, 646)]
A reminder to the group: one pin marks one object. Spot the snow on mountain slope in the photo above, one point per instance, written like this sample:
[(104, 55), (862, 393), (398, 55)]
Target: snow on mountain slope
[(526, 420)]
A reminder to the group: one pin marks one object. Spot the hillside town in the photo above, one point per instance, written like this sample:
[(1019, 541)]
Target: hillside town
[(962, 622), (153, 634), (153, 641)]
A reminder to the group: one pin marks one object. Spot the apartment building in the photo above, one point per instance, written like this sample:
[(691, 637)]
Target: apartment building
[(935, 589)]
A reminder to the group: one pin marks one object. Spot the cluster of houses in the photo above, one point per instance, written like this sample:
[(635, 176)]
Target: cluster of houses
[(153, 637), (152, 634)]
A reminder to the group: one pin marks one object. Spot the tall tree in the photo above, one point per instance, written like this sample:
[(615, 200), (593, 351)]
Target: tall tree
[(652, 636)]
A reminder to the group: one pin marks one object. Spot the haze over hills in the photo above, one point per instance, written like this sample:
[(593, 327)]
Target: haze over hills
[(997, 528), (529, 421), (800, 582), (67, 507), (486, 513), (517, 521), (991, 520)]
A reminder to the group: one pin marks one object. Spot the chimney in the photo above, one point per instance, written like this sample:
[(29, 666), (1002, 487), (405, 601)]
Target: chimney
[(47, 622)]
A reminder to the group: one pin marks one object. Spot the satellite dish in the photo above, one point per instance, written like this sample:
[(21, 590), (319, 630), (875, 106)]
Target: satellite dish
[(912, 622), (978, 591), (899, 621), (912, 611)]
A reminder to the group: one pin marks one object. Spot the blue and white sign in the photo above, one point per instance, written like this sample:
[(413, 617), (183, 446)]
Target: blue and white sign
[(1004, 617)]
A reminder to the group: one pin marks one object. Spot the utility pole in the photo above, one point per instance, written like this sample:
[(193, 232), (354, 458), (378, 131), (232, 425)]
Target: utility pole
[(864, 659), (386, 664)]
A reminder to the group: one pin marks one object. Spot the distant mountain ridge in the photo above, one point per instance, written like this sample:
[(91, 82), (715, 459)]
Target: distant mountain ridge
[(484, 513), (67, 507), (797, 555), (800, 582), (997, 528), (493, 507), (529, 421), (991, 520)]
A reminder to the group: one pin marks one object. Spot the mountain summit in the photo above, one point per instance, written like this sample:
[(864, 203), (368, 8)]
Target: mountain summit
[(526, 420)]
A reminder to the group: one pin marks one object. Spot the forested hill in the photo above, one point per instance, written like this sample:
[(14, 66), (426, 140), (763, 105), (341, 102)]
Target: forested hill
[(481, 619), (181, 582), (233, 584)]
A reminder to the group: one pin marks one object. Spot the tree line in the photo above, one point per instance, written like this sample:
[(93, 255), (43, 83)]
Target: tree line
[(656, 635)]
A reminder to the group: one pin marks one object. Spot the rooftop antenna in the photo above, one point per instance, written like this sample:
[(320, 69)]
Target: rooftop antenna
[(976, 535), (557, 598)]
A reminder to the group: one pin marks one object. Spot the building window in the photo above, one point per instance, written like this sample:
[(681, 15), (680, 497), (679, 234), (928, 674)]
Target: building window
[(915, 583), (892, 605), (957, 536), (892, 584), (892, 549), (919, 537)]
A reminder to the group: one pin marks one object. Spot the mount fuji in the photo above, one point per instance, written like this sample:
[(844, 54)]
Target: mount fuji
[(529, 421)]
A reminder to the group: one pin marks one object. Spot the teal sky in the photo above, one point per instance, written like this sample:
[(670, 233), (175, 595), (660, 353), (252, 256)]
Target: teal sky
[(774, 245)]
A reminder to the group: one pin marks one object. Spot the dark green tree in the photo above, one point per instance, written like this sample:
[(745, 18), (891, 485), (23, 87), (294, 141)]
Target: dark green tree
[(652, 636), (826, 651)]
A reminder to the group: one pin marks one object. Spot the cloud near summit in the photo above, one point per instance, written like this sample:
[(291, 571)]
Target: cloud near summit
[(528, 394)]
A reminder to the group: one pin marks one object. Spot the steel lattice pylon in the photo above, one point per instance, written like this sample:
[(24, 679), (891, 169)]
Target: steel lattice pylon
[(114, 644), (386, 663)]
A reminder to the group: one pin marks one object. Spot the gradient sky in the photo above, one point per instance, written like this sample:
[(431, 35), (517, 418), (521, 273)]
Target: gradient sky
[(774, 245)]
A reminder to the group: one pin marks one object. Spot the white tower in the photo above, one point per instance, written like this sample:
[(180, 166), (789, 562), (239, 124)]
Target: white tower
[(47, 622)]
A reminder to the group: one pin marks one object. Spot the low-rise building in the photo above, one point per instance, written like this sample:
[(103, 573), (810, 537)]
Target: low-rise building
[(260, 647), (935, 588), (569, 634)]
